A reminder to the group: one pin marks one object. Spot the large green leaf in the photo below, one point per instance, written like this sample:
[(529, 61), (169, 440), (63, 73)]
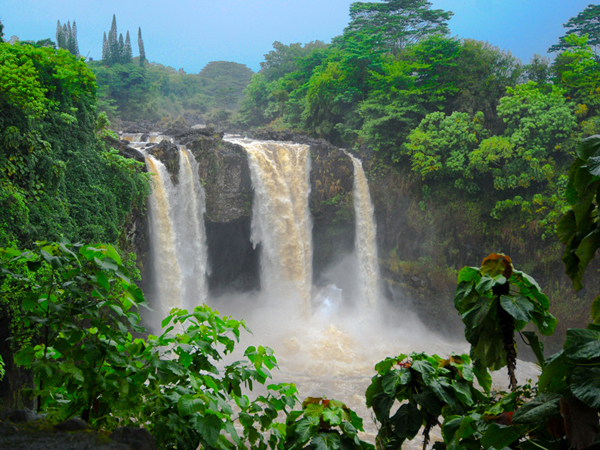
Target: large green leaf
[(326, 441), (305, 428), (393, 379), (499, 436), (536, 345), (545, 322), (469, 274), (484, 378), (538, 409), (582, 345), (587, 248), (424, 368), (463, 290), (588, 147), (566, 227), (485, 284), (407, 421), (475, 316), (429, 402), (443, 390), (209, 427), (382, 403), (333, 416), (585, 385), (188, 404), (596, 310), (519, 307), (553, 375)]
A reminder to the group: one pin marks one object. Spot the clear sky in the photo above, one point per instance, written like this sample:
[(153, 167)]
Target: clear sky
[(190, 33)]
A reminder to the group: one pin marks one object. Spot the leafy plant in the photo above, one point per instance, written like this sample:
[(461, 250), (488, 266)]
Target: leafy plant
[(579, 228), (324, 424), (426, 387), (495, 301), (79, 319)]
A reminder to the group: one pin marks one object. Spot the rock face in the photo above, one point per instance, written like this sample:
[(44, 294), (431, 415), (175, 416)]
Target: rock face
[(23, 429)]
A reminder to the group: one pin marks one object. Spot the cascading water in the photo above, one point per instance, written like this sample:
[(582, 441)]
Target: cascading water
[(189, 208), (281, 220), (167, 274), (177, 234), (365, 239)]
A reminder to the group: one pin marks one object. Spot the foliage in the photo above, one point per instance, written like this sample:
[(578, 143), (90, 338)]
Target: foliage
[(441, 146), (76, 333), (53, 179), (77, 338), (578, 228), (426, 387), (578, 72), (66, 37), (324, 424), (587, 22), (153, 91), (536, 123), (495, 301), (399, 23), (116, 51), (141, 47)]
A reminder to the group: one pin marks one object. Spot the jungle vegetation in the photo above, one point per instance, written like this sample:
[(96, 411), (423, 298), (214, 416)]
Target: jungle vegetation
[(464, 118)]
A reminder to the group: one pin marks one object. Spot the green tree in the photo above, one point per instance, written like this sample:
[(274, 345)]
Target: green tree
[(141, 47), (578, 72), (66, 37), (441, 145), (113, 43), (104, 48), (587, 22), (536, 124), (399, 23), (127, 52)]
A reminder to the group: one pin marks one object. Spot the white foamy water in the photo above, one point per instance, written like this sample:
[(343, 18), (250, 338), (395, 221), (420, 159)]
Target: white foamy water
[(366, 238), (178, 236), (281, 221)]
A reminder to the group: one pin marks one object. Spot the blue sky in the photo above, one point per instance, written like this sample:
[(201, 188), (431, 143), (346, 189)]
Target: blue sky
[(190, 33)]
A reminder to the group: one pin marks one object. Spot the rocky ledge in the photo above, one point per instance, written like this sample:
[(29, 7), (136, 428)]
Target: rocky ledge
[(23, 429)]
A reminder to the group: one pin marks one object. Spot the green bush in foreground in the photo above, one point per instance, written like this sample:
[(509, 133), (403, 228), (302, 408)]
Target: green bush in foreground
[(76, 321)]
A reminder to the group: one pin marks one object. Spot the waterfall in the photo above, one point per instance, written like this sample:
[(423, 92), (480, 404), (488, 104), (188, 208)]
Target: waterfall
[(189, 211), (167, 274), (281, 221), (365, 242), (178, 235)]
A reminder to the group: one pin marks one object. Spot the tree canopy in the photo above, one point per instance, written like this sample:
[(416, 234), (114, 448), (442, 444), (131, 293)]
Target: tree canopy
[(587, 22)]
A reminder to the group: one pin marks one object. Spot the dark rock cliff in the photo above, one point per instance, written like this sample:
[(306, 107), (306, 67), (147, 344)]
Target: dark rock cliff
[(225, 175)]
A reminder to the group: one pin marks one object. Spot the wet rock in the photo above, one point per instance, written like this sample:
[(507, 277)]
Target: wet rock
[(135, 438), (124, 148), (20, 415), (167, 153), (224, 172), (74, 424)]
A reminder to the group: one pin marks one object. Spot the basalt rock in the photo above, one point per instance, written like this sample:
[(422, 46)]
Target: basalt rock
[(224, 171), (167, 153), (24, 429)]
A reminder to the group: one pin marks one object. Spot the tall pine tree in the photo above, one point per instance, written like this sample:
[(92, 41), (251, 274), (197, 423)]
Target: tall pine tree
[(104, 48), (113, 43), (127, 53), (66, 37), (121, 59), (75, 44), (141, 47)]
